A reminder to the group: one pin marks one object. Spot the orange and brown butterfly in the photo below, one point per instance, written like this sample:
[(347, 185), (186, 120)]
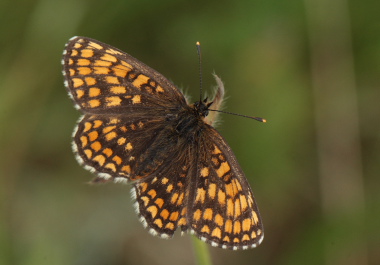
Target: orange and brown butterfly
[(138, 128)]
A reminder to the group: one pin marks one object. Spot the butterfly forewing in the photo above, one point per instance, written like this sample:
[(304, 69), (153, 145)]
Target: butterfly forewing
[(103, 79)]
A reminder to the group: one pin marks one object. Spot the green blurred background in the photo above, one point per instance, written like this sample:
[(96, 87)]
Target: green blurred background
[(310, 67)]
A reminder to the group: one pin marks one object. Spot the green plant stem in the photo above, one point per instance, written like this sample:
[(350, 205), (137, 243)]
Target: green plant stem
[(201, 251)]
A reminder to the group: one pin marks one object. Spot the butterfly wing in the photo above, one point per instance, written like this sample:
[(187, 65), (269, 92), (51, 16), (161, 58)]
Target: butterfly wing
[(103, 79), (161, 199), (125, 103), (124, 147), (224, 212)]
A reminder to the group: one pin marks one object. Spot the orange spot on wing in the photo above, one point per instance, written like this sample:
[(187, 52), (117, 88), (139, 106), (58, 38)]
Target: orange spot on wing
[(217, 233), (128, 147), (243, 202), (204, 172), (95, 45), (127, 169), (112, 80), (246, 224), (158, 222), (111, 166), (87, 53), (88, 153), (197, 215), (159, 202), (245, 238), (113, 101), (200, 195), (228, 226), (117, 159), (164, 180), (143, 186), (97, 123), (110, 136), (136, 99), (94, 103), (100, 159), (223, 169), (120, 72), (207, 214), (216, 150), (96, 146), (108, 152), (71, 72), (101, 70), (205, 229), (77, 82), (87, 126), (94, 92), (153, 210), (152, 193), (164, 214), (102, 63), (140, 80), (174, 198), (121, 141), (237, 227), (174, 216), (108, 57), (169, 226), (169, 188), (221, 197), (237, 208), (219, 220), (84, 140), (180, 199), (230, 207), (255, 217), (83, 62), (212, 190), (93, 135), (118, 90), (126, 64), (145, 199)]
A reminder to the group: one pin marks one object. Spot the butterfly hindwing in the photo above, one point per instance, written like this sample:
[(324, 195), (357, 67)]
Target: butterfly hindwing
[(120, 147), (162, 199)]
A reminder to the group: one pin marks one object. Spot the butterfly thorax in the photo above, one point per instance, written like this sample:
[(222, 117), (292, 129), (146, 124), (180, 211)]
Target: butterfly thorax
[(189, 123)]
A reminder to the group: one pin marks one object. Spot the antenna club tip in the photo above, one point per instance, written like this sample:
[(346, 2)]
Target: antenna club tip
[(264, 120), (197, 43)]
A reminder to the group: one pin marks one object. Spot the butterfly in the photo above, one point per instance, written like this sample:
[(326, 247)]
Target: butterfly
[(137, 127)]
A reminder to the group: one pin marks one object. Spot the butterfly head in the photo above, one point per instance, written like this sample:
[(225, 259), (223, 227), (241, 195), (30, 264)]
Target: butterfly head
[(202, 107)]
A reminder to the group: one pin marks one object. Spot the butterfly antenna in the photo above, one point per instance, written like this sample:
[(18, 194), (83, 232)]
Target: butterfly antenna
[(245, 116), (200, 69)]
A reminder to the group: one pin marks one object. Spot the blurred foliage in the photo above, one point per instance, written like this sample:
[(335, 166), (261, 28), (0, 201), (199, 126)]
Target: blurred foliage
[(263, 52)]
